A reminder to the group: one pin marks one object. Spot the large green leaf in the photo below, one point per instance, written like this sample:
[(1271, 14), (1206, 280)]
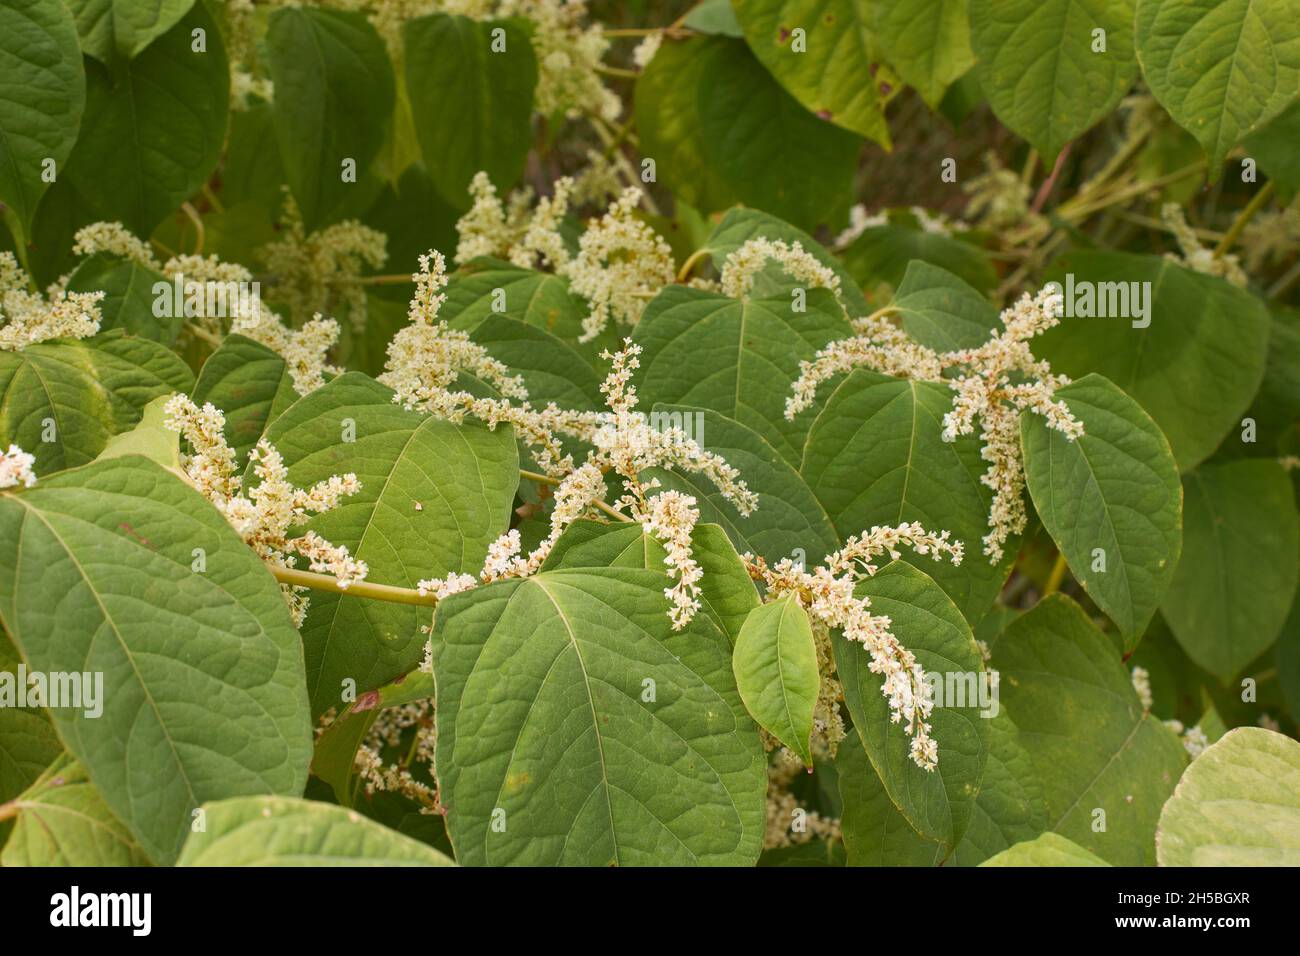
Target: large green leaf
[(486, 124), (721, 130), (575, 726), (552, 370), (129, 297), (875, 457), (535, 298), (1048, 849), (1106, 765), (740, 225), (63, 821), (926, 41), (1194, 367), (726, 591), (703, 349), (775, 662), (1233, 586), (248, 382), (1039, 69), (939, 803), (333, 103), (124, 27), (1273, 147), (276, 831), (42, 94), (433, 496), (28, 744), (1222, 68), (1115, 488), (203, 685), (884, 254), (1238, 804), (788, 523), (153, 127), (941, 311), (1009, 808), (833, 75), (85, 389)]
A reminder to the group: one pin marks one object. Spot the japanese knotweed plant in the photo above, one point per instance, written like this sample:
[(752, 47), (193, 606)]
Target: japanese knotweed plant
[(503, 432)]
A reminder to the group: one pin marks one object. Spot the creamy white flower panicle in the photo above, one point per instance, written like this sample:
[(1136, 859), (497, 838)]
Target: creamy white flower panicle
[(310, 268), (859, 222), (541, 244), (992, 384), (784, 768), (304, 350), (27, 317), (645, 50), (746, 262), (1141, 679), (386, 733), (670, 518), (264, 517), (1195, 256), (16, 468), (621, 262), (486, 229), (827, 594), (114, 239)]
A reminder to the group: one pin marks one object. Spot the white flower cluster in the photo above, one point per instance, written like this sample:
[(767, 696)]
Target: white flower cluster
[(826, 593), (748, 260), (266, 514), (670, 519), (1195, 256), (1271, 237), (304, 350), (16, 468), (993, 383), (784, 769), (621, 262), (999, 198), (859, 222), (386, 733), (313, 270), (29, 317)]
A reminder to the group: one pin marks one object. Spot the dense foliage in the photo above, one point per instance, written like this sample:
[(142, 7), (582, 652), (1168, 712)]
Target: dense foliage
[(795, 432)]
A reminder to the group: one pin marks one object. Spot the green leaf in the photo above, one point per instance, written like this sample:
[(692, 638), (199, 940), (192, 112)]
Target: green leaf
[(775, 662), (153, 128), (150, 438), (833, 75), (703, 349), (1009, 807), (788, 522), (1222, 68), (721, 130), (202, 671), (277, 831), (124, 26), (1240, 517), (875, 457), (1194, 368), (1115, 488), (1238, 804), (42, 95), (248, 382), (1040, 67), (486, 125), (552, 370), (534, 298), (1274, 148), (927, 42), (63, 821), (433, 496), (575, 726), (1048, 849), (713, 16), (1057, 670), (726, 591), (85, 390), (938, 803), (941, 311), (333, 103), (28, 744), (884, 254), (129, 297), (740, 225)]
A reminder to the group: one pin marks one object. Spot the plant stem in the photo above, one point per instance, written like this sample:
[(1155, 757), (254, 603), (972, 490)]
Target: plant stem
[(1285, 281), (1243, 217), (9, 810), (393, 279), (1058, 574), (193, 215), (684, 272), (617, 71), (363, 589)]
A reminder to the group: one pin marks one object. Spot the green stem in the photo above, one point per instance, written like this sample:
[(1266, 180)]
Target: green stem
[(1056, 577), (1243, 217), (363, 589)]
